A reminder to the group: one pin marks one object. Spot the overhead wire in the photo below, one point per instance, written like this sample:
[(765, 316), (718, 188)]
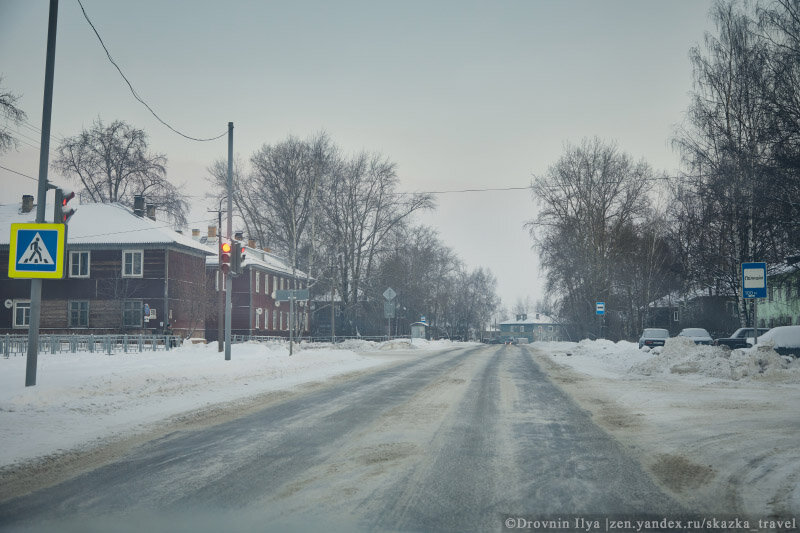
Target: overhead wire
[(133, 91)]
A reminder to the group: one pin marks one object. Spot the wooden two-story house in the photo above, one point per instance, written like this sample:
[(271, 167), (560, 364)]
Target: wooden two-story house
[(125, 272)]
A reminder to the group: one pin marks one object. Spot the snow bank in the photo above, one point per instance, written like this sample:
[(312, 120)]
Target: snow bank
[(85, 397), (680, 357), (597, 357)]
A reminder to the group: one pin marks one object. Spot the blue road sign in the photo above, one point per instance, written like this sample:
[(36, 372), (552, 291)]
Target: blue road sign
[(754, 280), (36, 251), (600, 308)]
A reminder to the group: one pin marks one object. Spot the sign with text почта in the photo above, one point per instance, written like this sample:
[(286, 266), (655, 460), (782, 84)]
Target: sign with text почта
[(37, 251)]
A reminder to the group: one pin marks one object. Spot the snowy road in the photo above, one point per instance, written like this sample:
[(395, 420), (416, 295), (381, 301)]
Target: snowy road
[(456, 440)]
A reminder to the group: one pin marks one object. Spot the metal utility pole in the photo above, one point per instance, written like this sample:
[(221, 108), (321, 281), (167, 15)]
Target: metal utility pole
[(220, 290), (44, 162), (229, 234)]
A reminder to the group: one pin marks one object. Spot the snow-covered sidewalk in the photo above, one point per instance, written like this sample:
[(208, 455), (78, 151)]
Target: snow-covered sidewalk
[(85, 399), (717, 428)]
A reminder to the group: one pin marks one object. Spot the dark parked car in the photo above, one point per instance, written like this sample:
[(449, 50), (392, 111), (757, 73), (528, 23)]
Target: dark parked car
[(739, 338), (653, 337)]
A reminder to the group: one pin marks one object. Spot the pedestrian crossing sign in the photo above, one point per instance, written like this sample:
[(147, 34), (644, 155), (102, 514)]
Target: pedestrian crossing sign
[(37, 251)]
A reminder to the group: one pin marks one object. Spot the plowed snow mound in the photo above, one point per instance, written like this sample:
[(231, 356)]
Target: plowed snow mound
[(681, 356)]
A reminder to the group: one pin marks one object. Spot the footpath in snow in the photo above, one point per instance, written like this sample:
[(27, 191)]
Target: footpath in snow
[(717, 428), (84, 400)]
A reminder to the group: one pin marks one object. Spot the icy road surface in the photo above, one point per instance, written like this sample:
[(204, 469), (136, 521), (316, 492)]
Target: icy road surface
[(454, 440)]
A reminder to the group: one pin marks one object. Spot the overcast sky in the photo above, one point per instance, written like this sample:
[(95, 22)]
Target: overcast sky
[(458, 94)]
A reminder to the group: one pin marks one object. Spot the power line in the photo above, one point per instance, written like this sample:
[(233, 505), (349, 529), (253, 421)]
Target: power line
[(19, 173), (488, 189), (133, 91)]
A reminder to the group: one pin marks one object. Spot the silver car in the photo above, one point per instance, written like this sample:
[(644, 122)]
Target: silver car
[(653, 337), (698, 335)]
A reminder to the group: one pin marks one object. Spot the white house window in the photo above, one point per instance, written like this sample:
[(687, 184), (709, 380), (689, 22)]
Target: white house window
[(132, 263), (22, 313), (79, 264), (132, 313), (258, 281), (274, 320), (79, 314), (258, 318), (675, 316)]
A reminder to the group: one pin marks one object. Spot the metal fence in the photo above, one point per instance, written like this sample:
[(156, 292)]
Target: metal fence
[(110, 344), (18, 344)]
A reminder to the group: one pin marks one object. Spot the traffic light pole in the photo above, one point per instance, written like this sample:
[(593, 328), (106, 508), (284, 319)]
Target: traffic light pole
[(41, 203), (229, 278)]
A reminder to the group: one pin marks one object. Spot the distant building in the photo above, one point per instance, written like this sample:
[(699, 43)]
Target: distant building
[(703, 308), (539, 327), (254, 308), (782, 305)]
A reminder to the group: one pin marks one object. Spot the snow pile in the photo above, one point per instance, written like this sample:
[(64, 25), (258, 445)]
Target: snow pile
[(683, 357), (86, 397), (597, 357)]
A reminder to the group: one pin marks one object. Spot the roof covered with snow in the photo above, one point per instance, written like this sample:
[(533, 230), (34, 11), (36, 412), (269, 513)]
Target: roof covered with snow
[(260, 259), (105, 225)]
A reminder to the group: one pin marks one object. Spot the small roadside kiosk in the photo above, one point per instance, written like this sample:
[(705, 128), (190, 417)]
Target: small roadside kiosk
[(419, 330)]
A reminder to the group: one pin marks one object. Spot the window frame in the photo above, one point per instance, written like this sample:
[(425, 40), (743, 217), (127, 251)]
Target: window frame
[(16, 310), (70, 312), (125, 312), (72, 263), (141, 264)]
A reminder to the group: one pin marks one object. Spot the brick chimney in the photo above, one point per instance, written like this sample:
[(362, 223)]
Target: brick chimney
[(212, 232), (27, 203), (138, 205), (251, 243), (196, 234), (151, 211)]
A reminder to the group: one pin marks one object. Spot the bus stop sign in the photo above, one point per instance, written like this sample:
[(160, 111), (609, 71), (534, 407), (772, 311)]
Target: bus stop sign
[(754, 280)]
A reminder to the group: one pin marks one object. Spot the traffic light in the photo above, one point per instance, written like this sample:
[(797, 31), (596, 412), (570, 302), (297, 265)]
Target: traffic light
[(237, 260), (225, 257), (62, 212)]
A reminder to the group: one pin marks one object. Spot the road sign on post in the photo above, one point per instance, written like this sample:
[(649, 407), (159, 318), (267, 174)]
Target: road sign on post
[(754, 280), (36, 251), (600, 308), (296, 294)]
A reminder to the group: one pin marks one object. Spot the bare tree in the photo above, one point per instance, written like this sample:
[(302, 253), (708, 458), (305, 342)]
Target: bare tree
[(727, 145), (522, 306), (10, 112), (360, 208), (113, 164), (589, 199)]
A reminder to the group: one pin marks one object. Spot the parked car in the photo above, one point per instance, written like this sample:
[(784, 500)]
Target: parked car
[(698, 335), (740, 338), (653, 337), (785, 339)]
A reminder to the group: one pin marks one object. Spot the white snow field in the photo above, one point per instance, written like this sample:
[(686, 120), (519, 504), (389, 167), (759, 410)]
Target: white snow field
[(82, 400), (717, 428)]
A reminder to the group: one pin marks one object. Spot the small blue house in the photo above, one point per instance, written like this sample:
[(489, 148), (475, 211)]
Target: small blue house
[(539, 327)]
